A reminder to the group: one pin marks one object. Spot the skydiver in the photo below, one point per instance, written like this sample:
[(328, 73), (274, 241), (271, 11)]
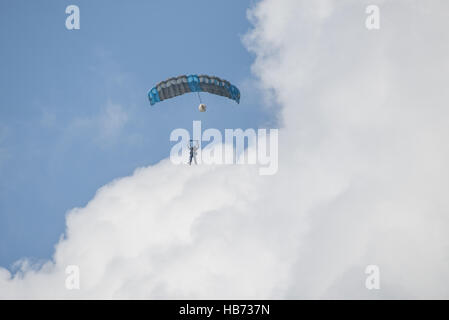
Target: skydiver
[(193, 154)]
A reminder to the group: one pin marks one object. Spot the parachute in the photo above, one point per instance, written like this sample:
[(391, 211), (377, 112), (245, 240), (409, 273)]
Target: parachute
[(176, 86)]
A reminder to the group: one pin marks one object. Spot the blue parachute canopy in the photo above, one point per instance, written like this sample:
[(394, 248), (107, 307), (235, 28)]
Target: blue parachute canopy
[(193, 83)]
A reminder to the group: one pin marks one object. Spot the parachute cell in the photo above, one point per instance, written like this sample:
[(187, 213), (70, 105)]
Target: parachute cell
[(192, 83)]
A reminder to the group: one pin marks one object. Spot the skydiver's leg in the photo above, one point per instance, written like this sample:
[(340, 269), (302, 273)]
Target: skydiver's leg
[(194, 158), (190, 160)]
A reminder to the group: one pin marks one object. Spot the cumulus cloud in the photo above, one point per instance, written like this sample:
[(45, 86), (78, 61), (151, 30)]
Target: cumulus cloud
[(362, 177)]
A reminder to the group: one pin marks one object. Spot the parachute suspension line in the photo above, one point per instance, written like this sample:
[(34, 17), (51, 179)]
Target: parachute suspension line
[(199, 97)]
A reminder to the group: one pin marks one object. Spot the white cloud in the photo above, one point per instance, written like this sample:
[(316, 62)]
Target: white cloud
[(112, 120), (362, 178), (105, 126)]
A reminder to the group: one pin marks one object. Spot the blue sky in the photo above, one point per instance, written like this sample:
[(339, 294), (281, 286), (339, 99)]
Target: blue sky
[(73, 108)]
